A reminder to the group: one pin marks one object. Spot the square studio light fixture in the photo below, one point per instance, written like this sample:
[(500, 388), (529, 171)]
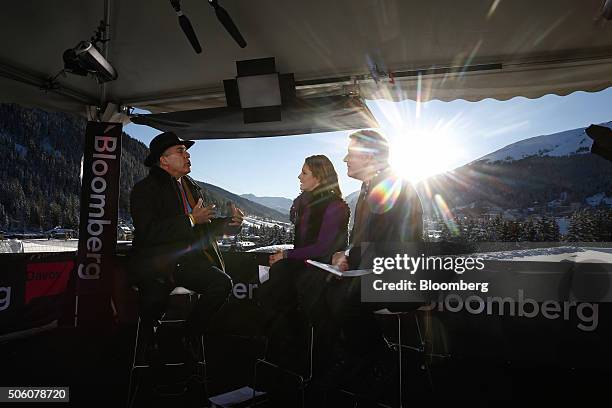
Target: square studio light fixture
[(259, 90)]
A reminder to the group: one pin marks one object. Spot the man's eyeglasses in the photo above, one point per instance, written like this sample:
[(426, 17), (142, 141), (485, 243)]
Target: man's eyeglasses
[(179, 150)]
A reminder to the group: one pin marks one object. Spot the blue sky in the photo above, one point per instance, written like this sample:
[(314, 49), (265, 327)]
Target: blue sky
[(433, 137)]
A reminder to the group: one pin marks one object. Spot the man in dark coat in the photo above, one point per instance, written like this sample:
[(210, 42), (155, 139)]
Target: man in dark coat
[(174, 238), (388, 217), (388, 209)]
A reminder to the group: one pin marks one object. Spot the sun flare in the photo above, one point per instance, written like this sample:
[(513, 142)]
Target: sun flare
[(420, 145), (419, 154)]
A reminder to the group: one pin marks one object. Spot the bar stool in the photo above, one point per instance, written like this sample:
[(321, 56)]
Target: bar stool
[(303, 378), (420, 347), (169, 318)]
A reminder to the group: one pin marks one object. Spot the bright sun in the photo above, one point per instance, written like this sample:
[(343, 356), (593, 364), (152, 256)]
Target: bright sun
[(421, 145), (418, 154)]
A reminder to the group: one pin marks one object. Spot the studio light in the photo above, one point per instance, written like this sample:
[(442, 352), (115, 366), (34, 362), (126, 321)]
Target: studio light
[(86, 59)]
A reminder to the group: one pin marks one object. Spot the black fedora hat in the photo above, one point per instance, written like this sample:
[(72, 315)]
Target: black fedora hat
[(160, 143)]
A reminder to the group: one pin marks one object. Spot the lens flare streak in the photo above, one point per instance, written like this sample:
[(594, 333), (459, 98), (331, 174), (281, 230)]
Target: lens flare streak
[(384, 195)]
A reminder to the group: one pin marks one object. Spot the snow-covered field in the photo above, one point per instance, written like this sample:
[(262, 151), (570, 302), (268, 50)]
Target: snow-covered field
[(51, 245), (40, 245), (11, 246), (257, 222), (558, 254), (272, 248)]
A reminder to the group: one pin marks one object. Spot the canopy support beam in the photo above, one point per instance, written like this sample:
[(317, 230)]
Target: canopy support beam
[(32, 79)]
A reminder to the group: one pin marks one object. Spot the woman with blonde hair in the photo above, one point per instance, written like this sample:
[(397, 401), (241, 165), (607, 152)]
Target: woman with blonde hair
[(320, 217), (319, 214)]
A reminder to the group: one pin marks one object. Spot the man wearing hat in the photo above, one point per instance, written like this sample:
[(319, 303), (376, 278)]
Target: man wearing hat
[(175, 237)]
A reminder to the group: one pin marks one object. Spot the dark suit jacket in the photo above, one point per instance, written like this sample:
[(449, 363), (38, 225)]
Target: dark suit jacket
[(163, 235), (388, 216)]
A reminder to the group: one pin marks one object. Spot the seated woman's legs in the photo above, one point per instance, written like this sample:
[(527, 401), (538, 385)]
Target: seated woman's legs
[(277, 295), (311, 286), (281, 322)]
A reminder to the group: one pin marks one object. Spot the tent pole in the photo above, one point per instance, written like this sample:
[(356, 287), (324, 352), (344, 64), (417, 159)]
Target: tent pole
[(106, 45)]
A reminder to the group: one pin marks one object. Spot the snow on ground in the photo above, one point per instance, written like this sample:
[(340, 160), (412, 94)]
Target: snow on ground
[(249, 221), (272, 248), (11, 246), (50, 245), (558, 254)]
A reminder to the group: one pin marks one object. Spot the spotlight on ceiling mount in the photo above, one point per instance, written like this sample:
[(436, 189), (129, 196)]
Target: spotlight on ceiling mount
[(86, 59)]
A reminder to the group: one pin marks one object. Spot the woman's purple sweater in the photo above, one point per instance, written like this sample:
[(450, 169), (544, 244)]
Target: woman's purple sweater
[(331, 226)]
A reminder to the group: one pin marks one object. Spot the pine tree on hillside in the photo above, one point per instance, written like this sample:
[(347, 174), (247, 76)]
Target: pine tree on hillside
[(550, 229), (528, 231), (450, 232), (603, 225), (290, 236), (582, 227), (512, 231), (3, 218), (496, 229)]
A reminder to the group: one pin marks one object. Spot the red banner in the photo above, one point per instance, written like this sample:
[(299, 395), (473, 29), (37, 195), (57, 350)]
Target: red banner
[(46, 279)]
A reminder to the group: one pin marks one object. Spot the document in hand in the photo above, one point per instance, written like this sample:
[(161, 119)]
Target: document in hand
[(264, 273), (332, 269)]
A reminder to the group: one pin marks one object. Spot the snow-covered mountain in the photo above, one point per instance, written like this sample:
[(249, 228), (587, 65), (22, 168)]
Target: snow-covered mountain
[(542, 174), (566, 143), (280, 204)]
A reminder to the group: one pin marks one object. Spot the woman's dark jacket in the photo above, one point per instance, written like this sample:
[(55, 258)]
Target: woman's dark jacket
[(321, 225)]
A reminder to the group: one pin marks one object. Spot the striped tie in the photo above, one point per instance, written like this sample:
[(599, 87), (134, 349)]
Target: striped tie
[(183, 197)]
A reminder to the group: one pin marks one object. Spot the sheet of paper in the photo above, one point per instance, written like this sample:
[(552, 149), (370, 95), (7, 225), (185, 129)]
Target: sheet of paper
[(264, 273), (333, 269), (326, 267), (235, 397)]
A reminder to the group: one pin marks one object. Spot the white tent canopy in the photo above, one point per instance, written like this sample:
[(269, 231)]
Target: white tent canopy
[(392, 49)]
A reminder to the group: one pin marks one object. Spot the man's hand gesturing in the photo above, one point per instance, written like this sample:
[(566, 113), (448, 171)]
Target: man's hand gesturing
[(237, 216), (203, 215)]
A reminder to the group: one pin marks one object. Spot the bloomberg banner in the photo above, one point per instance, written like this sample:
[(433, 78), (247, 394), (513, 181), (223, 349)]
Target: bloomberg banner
[(98, 220)]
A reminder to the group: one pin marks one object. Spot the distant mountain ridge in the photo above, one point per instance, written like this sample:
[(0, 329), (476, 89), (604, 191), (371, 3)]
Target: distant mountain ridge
[(566, 143), (554, 170), (249, 206), (40, 155), (280, 204)]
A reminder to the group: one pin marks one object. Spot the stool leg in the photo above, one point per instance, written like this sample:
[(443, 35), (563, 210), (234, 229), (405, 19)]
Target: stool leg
[(201, 369), (131, 382), (399, 354), (311, 353), (424, 353), (303, 379)]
